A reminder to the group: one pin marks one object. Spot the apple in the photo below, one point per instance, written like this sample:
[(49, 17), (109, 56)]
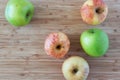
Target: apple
[(19, 12), (57, 44), (75, 68), (95, 42), (94, 12)]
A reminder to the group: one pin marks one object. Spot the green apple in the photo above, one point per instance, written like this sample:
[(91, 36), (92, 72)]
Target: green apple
[(95, 42), (19, 12)]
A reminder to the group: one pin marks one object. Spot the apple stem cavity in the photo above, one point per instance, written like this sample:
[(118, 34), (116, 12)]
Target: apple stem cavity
[(28, 14), (91, 31), (58, 47), (74, 71), (99, 10)]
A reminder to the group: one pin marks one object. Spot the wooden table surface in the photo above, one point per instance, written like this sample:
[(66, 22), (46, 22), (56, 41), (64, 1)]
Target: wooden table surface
[(22, 55)]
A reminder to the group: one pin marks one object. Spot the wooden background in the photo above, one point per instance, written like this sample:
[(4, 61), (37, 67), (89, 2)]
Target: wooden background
[(22, 55)]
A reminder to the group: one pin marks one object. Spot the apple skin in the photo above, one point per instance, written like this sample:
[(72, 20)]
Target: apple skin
[(75, 68), (19, 12), (94, 12), (95, 42), (57, 45)]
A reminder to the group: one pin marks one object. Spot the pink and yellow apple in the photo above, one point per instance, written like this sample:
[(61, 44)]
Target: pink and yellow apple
[(57, 45), (94, 12)]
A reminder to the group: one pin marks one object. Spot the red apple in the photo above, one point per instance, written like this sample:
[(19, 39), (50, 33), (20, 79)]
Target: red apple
[(57, 45), (94, 12)]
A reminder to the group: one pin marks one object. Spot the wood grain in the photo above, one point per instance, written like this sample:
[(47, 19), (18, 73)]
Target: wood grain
[(22, 55)]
